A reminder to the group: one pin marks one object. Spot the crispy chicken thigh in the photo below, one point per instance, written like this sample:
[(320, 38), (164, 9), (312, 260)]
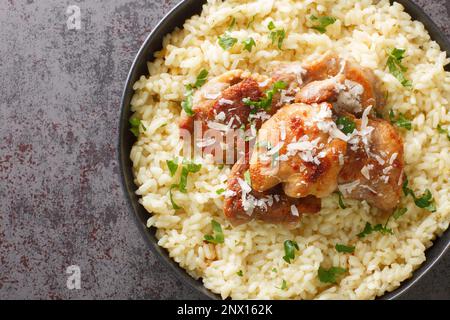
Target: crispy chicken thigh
[(220, 100), (243, 204), (220, 112), (373, 168), (295, 149), (351, 87)]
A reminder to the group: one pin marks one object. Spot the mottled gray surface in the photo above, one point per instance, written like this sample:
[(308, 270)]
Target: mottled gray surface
[(61, 202)]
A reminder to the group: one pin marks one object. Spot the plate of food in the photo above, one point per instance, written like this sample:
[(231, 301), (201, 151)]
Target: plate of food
[(281, 149)]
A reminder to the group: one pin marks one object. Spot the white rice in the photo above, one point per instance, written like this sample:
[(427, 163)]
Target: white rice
[(365, 30)]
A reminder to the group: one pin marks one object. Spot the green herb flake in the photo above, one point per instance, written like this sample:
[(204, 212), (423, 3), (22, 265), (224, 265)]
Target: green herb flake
[(248, 178), (227, 42), (276, 35), (283, 285), (344, 249), (396, 68), (249, 44), (399, 212), (173, 166), (426, 201), (441, 130), (187, 104), (188, 167), (135, 124), (368, 229), (346, 125), (220, 191), (323, 23), (265, 103), (201, 79), (174, 205), (289, 250), (218, 236), (329, 275), (341, 200), (274, 270), (401, 121), (240, 273)]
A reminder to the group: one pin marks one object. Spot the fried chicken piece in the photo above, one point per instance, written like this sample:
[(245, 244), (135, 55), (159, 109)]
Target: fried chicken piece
[(374, 163), (351, 87), (242, 204), (221, 94), (219, 110), (295, 149)]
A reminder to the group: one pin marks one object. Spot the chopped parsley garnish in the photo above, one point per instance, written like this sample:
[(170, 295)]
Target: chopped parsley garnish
[(188, 167), (276, 35), (173, 166), (135, 124), (187, 104), (249, 44), (289, 250), (174, 205), (341, 200), (265, 103), (218, 233), (426, 201), (368, 229), (443, 131), (274, 270), (220, 191), (323, 23), (283, 285), (399, 212), (248, 178), (329, 275), (240, 273), (346, 125), (345, 249), (226, 41), (406, 190), (400, 121), (396, 68), (201, 79)]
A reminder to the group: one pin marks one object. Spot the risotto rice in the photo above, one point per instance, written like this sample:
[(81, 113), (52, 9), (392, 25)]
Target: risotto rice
[(365, 30)]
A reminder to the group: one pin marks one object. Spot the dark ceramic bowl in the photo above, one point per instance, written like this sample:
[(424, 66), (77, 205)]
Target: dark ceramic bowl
[(176, 18)]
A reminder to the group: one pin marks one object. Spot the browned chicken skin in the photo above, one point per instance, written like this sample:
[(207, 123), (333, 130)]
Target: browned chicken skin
[(345, 83), (373, 169), (301, 154), (272, 206), (220, 104), (224, 94)]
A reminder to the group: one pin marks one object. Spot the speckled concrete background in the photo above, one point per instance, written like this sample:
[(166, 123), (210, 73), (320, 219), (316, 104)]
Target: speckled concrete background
[(61, 203)]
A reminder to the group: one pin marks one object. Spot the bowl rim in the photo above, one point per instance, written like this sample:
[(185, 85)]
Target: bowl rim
[(169, 21)]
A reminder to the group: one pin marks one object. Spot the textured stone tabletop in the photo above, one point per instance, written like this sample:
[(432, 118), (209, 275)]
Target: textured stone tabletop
[(61, 202)]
